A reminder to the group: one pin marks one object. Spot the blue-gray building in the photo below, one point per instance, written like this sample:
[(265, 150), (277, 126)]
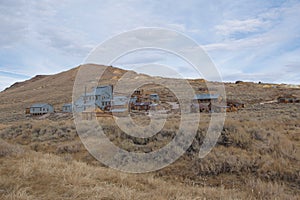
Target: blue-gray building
[(100, 97), (154, 97), (41, 108), (119, 105), (67, 108), (103, 96)]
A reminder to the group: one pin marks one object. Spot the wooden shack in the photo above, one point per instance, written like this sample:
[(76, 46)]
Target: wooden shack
[(235, 105), (67, 108), (207, 98), (288, 99), (27, 110), (141, 106)]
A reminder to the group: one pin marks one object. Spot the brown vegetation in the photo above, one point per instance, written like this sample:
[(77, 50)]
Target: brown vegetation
[(256, 156)]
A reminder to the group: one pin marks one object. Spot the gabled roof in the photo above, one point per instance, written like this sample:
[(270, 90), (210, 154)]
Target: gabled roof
[(99, 90), (206, 96), (39, 105)]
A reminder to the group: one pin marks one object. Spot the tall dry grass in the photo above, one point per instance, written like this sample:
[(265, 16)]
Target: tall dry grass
[(33, 175), (256, 154)]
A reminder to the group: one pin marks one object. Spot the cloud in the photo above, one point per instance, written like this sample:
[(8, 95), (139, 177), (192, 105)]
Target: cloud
[(238, 44), (13, 23), (65, 40), (230, 27), (261, 50), (141, 57), (8, 78), (250, 37), (13, 75)]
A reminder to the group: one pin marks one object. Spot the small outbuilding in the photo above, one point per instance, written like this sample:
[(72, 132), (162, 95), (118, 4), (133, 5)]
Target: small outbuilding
[(67, 108), (41, 109), (154, 97), (27, 110), (235, 104), (207, 98)]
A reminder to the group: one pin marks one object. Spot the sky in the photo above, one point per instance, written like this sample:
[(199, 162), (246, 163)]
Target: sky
[(249, 40)]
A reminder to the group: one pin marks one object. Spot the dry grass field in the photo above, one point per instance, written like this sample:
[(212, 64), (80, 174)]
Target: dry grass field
[(256, 156)]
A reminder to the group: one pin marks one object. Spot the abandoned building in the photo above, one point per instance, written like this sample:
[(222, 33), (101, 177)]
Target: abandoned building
[(235, 104), (67, 108), (138, 93), (206, 98), (217, 107), (134, 99), (141, 106), (202, 102), (119, 105), (41, 108), (101, 97), (154, 98), (214, 103), (288, 99)]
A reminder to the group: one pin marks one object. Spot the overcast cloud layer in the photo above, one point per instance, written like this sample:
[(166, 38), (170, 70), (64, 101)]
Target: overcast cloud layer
[(247, 40)]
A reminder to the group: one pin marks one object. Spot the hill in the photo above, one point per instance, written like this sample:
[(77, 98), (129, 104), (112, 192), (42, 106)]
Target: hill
[(54, 89), (256, 156), (57, 89)]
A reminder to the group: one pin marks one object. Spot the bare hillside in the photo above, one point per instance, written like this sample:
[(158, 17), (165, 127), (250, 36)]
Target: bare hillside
[(256, 155)]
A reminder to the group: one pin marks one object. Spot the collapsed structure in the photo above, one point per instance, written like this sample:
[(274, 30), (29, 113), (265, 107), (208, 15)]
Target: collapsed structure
[(214, 103), (288, 99)]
